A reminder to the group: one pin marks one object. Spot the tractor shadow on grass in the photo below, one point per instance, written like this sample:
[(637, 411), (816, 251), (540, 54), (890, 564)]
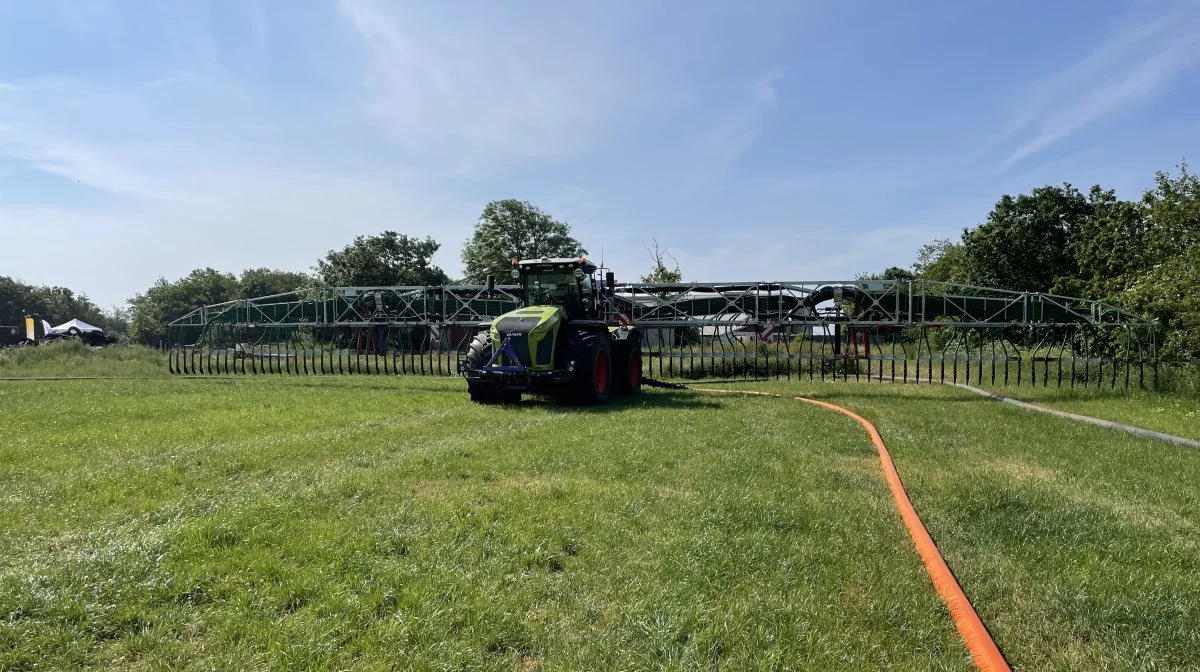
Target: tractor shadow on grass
[(384, 383), (675, 399), (681, 399)]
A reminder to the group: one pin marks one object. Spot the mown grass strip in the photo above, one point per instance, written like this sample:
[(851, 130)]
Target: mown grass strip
[(1108, 424)]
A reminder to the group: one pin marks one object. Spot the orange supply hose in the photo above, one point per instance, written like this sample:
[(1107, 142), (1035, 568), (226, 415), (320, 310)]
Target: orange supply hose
[(983, 650)]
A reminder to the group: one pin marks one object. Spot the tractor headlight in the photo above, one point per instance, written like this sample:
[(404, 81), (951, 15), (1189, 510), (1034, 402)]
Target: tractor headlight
[(540, 329)]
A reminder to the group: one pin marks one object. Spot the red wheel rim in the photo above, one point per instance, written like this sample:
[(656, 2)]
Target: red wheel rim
[(635, 370), (601, 371)]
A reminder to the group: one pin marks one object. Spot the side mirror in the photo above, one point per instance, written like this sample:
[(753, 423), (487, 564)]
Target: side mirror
[(610, 281), (491, 283)]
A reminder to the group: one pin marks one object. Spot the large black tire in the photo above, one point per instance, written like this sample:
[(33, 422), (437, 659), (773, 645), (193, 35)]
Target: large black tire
[(479, 354), (592, 353), (627, 368)]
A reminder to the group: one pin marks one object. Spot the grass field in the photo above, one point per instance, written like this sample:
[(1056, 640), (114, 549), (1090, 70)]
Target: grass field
[(386, 523), (1077, 544)]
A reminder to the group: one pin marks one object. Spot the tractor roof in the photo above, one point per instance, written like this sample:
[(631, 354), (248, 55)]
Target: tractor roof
[(565, 263)]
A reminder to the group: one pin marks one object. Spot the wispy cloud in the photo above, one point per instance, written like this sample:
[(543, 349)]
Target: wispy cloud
[(178, 77), (42, 126), (508, 89), (78, 162), (1131, 67), (726, 128), (764, 86)]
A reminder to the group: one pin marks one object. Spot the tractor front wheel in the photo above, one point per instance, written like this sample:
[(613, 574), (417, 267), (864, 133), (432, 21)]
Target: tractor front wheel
[(592, 353), (478, 355)]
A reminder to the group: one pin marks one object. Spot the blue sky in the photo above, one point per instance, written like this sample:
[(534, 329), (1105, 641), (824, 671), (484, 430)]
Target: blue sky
[(757, 141)]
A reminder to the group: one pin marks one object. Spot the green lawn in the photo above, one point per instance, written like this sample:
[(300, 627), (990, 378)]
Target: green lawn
[(386, 523)]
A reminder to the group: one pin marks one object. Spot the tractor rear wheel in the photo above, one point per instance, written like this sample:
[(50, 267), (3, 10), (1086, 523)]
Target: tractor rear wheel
[(478, 355), (628, 369), (592, 353)]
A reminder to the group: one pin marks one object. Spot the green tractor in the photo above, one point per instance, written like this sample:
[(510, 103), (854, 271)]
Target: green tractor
[(557, 343)]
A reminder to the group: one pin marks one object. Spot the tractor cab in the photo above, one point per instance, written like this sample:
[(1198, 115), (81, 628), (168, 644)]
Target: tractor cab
[(567, 283)]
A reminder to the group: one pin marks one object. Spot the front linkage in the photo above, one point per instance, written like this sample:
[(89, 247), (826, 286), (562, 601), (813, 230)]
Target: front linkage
[(512, 375)]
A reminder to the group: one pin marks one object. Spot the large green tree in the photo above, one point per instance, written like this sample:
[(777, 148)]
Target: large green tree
[(17, 300), (1143, 255), (387, 259), (266, 281), (943, 260), (1110, 247), (166, 301), (889, 273), (1170, 293), (60, 304), (1165, 282), (1174, 210), (512, 229), (1025, 244), (53, 304)]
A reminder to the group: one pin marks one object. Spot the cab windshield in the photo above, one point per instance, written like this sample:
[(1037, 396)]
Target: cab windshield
[(551, 289)]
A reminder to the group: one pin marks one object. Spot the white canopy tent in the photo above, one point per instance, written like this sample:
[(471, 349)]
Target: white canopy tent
[(66, 328)]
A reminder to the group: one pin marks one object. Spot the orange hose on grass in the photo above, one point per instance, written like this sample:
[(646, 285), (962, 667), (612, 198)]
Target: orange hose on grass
[(975, 636)]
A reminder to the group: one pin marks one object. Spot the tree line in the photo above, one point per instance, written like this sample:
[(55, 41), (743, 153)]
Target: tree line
[(55, 305), (1141, 255), (506, 229)]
